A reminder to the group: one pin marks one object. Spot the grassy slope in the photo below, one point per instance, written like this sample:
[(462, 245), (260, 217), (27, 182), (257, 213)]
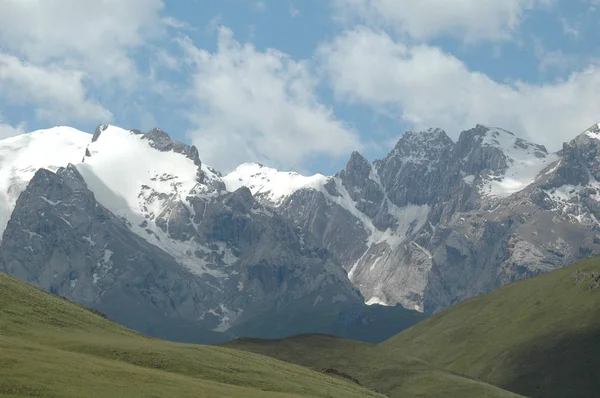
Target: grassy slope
[(373, 366), (539, 337), (51, 347)]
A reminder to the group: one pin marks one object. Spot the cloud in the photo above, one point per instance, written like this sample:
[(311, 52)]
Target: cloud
[(7, 130), (552, 59), (94, 35), (259, 106), (469, 20), (426, 87), (59, 93), (56, 56), (570, 29)]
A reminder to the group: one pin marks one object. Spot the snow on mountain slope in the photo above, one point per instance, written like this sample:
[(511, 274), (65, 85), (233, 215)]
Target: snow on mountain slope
[(594, 131), (269, 184), (23, 155), (525, 161), (138, 183), (122, 164), (275, 186)]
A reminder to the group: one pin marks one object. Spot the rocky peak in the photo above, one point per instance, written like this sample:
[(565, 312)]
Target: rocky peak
[(477, 155), (241, 200), (580, 161), (589, 138), (160, 140), (99, 129), (357, 166), (362, 183), (419, 147), (157, 139), (412, 171), (72, 177)]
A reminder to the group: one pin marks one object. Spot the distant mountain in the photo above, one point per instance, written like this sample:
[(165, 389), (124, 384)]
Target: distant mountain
[(23, 155), (436, 221), (135, 224), (143, 231)]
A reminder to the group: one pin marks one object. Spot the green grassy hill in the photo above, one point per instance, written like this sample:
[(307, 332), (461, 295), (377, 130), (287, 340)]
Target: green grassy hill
[(52, 347), (389, 372), (539, 337)]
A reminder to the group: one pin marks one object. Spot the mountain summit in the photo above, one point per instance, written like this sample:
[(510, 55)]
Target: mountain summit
[(135, 224), (142, 230), (437, 221)]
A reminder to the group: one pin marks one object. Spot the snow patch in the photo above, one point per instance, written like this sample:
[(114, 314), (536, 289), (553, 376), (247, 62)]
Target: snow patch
[(418, 246), (103, 266), (140, 184), (595, 133), (469, 179), (226, 317), (89, 240), (268, 183), (525, 162), (376, 301)]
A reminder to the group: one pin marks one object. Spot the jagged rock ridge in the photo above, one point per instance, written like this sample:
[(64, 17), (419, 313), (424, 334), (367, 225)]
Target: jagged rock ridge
[(146, 233), (437, 221)]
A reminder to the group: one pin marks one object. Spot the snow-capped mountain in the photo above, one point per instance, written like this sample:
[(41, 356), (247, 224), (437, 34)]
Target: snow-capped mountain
[(520, 165), (431, 224), (437, 221), (23, 155), (269, 185), (139, 228)]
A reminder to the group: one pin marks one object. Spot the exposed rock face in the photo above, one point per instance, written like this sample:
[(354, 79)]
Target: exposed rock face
[(267, 253), (60, 239), (176, 257), (436, 222)]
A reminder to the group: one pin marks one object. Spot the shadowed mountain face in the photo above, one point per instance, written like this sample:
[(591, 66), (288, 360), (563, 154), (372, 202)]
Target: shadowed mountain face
[(160, 246)]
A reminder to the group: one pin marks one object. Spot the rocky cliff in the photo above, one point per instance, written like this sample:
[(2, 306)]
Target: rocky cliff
[(144, 232), (437, 221)]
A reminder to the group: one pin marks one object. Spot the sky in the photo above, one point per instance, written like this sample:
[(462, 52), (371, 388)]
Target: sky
[(300, 84)]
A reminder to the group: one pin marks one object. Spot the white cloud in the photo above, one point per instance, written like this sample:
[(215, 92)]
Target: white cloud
[(259, 106), (294, 12), (471, 20), (260, 6), (552, 59), (59, 93), (570, 29), (94, 35), (55, 55), (426, 87), (7, 130)]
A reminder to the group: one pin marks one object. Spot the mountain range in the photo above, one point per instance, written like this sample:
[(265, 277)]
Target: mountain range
[(135, 225)]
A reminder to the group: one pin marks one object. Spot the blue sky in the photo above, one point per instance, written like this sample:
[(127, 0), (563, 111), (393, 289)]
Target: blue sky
[(300, 84)]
